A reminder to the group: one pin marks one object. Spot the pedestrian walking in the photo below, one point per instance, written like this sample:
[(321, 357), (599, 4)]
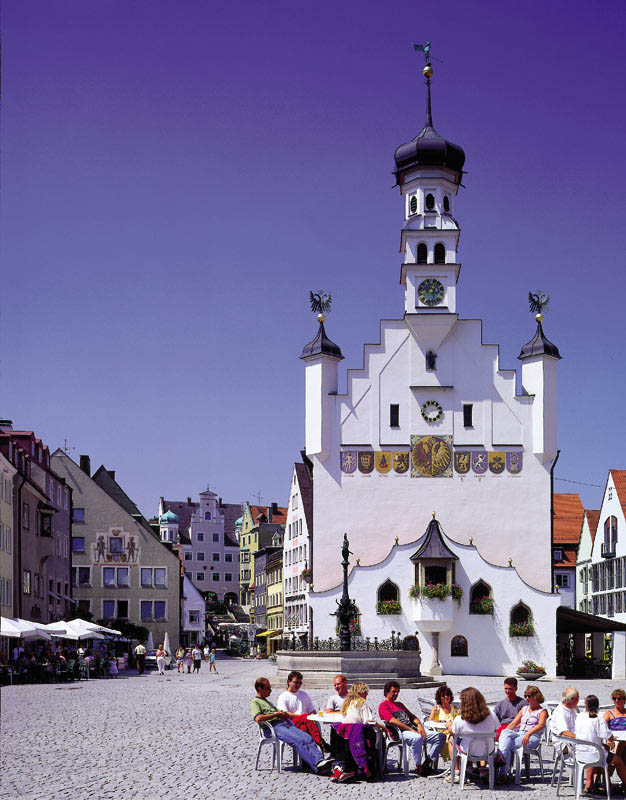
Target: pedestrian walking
[(189, 660), (160, 659), (197, 658), (207, 651), (180, 659), (113, 670), (140, 655), (212, 667)]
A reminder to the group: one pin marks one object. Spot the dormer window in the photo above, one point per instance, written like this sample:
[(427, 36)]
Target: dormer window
[(430, 202), (440, 253), (413, 204), (422, 253), (446, 203)]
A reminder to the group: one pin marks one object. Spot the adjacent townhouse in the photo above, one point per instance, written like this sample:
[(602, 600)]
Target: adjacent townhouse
[(567, 525), (274, 610), (7, 474), (583, 563), (257, 526), (121, 570), (297, 551), (40, 531)]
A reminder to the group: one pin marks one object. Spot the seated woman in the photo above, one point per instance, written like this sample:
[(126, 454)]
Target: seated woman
[(357, 729), (444, 711), (475, 717), (526, 728), (593, 728), (615, 719)]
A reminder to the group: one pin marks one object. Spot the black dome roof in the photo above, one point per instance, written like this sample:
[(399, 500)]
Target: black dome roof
[(428, 148), (321, 345), (539, 345)]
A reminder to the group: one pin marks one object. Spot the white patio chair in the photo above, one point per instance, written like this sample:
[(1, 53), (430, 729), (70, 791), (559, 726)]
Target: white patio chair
[(267, 735), (581, 766), (395, 740), (562, 760), (476, 753), (526, 753)]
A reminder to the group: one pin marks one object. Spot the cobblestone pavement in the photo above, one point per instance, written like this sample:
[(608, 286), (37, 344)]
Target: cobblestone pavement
[(189, 737)]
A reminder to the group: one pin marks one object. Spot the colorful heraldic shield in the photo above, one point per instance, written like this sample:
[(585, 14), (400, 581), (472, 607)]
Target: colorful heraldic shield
[(401, 462), (348, 461), (496, 462), (462, 461), (480, 462), (383, 461), (366, 462), (514, 462), (431, 456)]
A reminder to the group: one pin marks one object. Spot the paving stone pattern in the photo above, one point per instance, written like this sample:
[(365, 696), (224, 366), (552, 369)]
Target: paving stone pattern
[(190, 737)]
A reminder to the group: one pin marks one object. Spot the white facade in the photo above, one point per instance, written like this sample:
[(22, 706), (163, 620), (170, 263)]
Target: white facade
[(430, 422), (583, 563), (296, 557), (192, 617), (601, 566)]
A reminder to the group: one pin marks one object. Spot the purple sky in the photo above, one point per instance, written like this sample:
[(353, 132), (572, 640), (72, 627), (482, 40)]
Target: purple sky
[(177, 176)]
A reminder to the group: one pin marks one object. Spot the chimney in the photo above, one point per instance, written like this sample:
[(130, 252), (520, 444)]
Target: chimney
[(111, 473), (6, 424), (274, 508), (85, 465), (189, 501)]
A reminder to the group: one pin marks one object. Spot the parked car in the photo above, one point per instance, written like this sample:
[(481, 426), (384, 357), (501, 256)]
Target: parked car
[(151, 660)]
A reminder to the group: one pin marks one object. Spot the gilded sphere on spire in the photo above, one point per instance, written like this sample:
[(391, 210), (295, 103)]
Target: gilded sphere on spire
[(539, 317), (321, 318), (428, 71)]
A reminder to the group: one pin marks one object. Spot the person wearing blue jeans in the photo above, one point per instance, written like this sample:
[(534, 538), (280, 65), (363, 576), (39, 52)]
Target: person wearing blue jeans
[(526, 729), (264, 711)]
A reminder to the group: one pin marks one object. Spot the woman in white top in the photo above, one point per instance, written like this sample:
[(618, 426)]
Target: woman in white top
[(593, 728), (475, 717), (356, 728), (526, 728)]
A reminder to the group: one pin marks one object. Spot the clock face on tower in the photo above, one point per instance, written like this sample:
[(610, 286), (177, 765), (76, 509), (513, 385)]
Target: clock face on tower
[(430, 292)]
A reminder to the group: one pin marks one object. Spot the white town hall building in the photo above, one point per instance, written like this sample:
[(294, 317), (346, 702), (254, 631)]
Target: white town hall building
[(431, 461)]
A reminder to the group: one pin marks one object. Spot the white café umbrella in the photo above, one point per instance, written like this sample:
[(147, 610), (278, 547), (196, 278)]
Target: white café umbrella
[(20, 629), (150, 642), (166, 643), (76, 630)]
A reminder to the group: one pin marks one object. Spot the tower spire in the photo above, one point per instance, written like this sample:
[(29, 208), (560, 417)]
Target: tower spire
[(429, 115)]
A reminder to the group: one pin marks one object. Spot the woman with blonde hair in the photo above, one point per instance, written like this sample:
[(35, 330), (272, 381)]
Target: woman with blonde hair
[(615, 718), (356, 728), (526, 728), (160, 659)]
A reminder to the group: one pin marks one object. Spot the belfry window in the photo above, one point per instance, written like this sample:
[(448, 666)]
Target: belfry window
[(430, 202), (394, 415), (446, 203), (422, 253), (468, 412), (413, 204), (440, 253)]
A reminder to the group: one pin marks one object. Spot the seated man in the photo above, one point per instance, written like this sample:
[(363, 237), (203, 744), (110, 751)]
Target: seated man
[(336, 700), (298, 705), (265, 711), (563, 720), (506, 710), (411, 728)]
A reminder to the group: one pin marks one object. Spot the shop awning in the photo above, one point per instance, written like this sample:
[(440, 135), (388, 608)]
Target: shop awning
[(265, 633), (570, 621)]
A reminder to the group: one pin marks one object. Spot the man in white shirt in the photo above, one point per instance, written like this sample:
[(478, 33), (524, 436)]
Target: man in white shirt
[(563, 720), (298, 705), (336, 700)]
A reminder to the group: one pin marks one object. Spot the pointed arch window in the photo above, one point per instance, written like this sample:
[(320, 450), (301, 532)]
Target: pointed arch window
[(388, 591), (481, 601), (458, 646), (440, 253), (521, 621), (430, 202), (422, 253)]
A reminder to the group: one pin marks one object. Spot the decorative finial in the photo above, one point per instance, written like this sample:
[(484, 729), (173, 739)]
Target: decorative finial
[(510, 562), (397, 540), (433, 515), (358, 562), (537, 301), (428, 73), (320, 303), (471, 540)]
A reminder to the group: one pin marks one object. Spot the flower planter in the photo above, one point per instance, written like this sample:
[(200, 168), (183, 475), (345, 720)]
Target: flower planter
[(530, 676)]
